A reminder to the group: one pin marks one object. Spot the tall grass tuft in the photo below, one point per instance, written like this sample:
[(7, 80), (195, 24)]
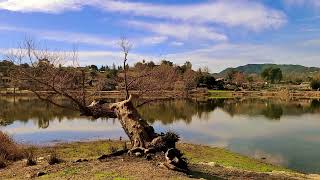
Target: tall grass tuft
[(54, 159), (30, 155), (113, 149)]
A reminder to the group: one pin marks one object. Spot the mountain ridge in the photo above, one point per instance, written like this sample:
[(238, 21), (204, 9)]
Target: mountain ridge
[(287, 69)]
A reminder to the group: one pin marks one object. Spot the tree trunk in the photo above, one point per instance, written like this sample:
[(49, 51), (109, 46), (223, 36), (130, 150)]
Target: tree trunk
[(138, 130), (143, 138)]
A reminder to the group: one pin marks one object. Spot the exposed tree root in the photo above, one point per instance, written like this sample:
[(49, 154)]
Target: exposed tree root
[(114, 154)]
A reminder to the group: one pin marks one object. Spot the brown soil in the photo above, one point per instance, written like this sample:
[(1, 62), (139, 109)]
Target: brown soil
[(125, 167)]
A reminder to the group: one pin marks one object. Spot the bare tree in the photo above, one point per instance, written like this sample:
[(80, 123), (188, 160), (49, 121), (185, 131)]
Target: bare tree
[(49, 80)]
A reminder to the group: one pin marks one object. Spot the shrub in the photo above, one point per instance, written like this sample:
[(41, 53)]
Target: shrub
[(113, 149), (3, 163), (315, 84), (54, 159), (125, 147), (9, 150), (30, 155)]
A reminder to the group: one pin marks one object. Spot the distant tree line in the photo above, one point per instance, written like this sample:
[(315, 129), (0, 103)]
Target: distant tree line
[(187, 78)]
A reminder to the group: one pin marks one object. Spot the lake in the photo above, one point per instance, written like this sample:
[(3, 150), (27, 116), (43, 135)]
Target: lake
[(283, 132)]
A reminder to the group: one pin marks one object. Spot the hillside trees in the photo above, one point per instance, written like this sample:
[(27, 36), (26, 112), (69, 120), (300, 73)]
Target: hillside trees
[(315, 84), (273, 75)]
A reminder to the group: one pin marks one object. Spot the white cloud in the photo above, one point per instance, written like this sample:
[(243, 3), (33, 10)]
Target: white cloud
[(152, 40), (48, 6), (71, 37), (180, 31), (216, 58), (245, 13), (81, 38), (221, 56)]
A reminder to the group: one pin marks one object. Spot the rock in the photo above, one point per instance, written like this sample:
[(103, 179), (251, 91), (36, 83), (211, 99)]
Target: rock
[(171, 154), (314, 176), (81, 160), (214, 164), (175, 161), (40, 159), (138, 154), (41, 173), (150, 151), (148, 157), (136, 151)]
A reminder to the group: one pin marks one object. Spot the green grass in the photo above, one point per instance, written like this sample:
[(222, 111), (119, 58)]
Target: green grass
[(205, 154), (89, 150), (194, 153), (220, 94), (68, 172)]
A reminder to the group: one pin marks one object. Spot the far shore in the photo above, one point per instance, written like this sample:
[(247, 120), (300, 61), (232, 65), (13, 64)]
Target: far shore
[(201, 93)]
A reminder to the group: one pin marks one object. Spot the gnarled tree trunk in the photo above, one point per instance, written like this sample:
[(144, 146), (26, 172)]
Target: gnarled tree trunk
[(138, 130), (143, 138)]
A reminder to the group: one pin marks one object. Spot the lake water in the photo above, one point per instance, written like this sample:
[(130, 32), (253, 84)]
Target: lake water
[(283, 132)]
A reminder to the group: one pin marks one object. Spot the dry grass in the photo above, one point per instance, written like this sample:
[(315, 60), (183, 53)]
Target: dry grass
[(113, 149), (9, 150), (30, 155)]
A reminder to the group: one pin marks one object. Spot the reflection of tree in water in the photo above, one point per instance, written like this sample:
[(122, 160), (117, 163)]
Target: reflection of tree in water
[(170, 111), (271, 109), (315, 105), (26, 109)]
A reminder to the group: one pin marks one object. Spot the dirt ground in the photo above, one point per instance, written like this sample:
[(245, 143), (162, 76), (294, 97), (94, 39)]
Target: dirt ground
[(125, 167)]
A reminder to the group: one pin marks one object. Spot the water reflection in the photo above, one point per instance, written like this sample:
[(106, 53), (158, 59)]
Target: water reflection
[(167, 112), (25, 109), (282, 132)]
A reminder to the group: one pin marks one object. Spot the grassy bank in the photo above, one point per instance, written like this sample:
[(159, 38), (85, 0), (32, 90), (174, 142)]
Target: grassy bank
[(205, 162), (194, 153), (283, 94), (220, 94)]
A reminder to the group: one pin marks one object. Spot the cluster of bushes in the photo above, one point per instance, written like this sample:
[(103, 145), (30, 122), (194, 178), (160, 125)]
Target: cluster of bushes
[(315, 84), (9, 150)]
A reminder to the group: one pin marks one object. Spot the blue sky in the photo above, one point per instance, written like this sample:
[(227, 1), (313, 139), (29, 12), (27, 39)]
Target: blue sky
[(213, 33)]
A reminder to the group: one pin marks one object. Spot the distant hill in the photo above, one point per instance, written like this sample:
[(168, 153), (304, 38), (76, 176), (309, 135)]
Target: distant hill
[(287, 69)]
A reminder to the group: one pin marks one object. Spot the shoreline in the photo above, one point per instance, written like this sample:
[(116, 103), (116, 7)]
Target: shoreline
[(211, 94), (283, 94), (205, 162)]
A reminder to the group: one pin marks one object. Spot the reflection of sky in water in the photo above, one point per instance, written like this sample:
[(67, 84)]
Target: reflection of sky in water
[(292, 140), (64, 130)]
